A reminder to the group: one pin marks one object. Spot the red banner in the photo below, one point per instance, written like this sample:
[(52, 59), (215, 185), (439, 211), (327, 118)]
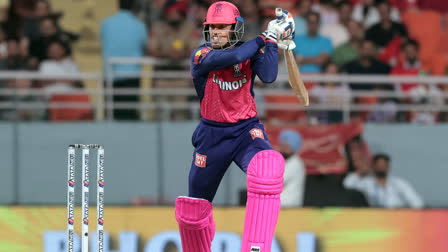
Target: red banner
[(322, 149)]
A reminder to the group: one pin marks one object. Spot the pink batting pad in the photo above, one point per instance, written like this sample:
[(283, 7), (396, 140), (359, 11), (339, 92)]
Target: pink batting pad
[(196, 224), (264, 185)]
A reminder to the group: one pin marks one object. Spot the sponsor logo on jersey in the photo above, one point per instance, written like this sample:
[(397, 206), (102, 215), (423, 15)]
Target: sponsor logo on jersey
[(200, 160), (229, 85), (256, 133), (236, 71)]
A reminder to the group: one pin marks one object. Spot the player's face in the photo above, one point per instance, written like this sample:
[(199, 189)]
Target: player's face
[(219, 35)]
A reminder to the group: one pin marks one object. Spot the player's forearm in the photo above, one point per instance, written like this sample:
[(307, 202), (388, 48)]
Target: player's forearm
[(216, 60), (241, 53), (267, 67)]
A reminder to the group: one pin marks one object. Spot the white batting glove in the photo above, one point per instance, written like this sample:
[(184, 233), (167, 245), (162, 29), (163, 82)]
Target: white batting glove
[(289, 19), (282, 29), (270, 35), (286, 45), (273, 28), (286, 23)]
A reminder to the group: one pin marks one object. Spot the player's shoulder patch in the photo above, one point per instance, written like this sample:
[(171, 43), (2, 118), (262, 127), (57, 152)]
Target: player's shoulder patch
[(200, 55)]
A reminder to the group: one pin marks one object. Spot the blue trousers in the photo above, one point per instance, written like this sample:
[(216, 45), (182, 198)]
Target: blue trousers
[(216, 146)]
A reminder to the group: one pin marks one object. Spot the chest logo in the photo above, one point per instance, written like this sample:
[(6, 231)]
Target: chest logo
[(237, 71)]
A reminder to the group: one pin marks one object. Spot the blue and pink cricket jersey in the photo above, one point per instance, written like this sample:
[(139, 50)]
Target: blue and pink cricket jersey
[(229, 129)]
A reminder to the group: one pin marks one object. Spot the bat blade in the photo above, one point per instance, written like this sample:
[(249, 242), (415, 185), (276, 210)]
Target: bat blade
[(294, 79)]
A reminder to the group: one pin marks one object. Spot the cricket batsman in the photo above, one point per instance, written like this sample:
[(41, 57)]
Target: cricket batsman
[(223, 71)]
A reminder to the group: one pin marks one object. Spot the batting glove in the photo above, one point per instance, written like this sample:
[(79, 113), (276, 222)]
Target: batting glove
[(289, 19), (270, 35), (282, 29), (286, 45)]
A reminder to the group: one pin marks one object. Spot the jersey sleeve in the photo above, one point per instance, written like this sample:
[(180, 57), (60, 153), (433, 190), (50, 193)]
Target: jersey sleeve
[(205, 60), (265, 64)]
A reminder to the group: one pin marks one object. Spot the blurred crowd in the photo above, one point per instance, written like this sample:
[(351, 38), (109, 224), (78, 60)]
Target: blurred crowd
[(367, 181), (32, 39), (366, 37), (333, 36)]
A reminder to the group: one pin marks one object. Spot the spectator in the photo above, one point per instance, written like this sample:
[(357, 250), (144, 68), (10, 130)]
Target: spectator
[(16, 59), (331, 94), (294, 176), (415, 93), (22, 8), (383, 190), (250, 13), (366, 13), (384, 31), (173, 40), (358, 157), (410, 65), (337, 31), (327, 11), (345, 11), (173, 34), (3, 44), (385, 111), (366, 64), (59, 62), (123, 35), (18, 9), (429, 95), (142, 9), (304, 8), (349, 51), (48, 31), (156, 11), (313, 50), (198, 12), (23, 94), (405, 5), (30, 28)]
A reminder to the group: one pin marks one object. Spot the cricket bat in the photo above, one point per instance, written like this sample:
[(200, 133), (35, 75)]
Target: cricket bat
[(294, 79), (293, 71)]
